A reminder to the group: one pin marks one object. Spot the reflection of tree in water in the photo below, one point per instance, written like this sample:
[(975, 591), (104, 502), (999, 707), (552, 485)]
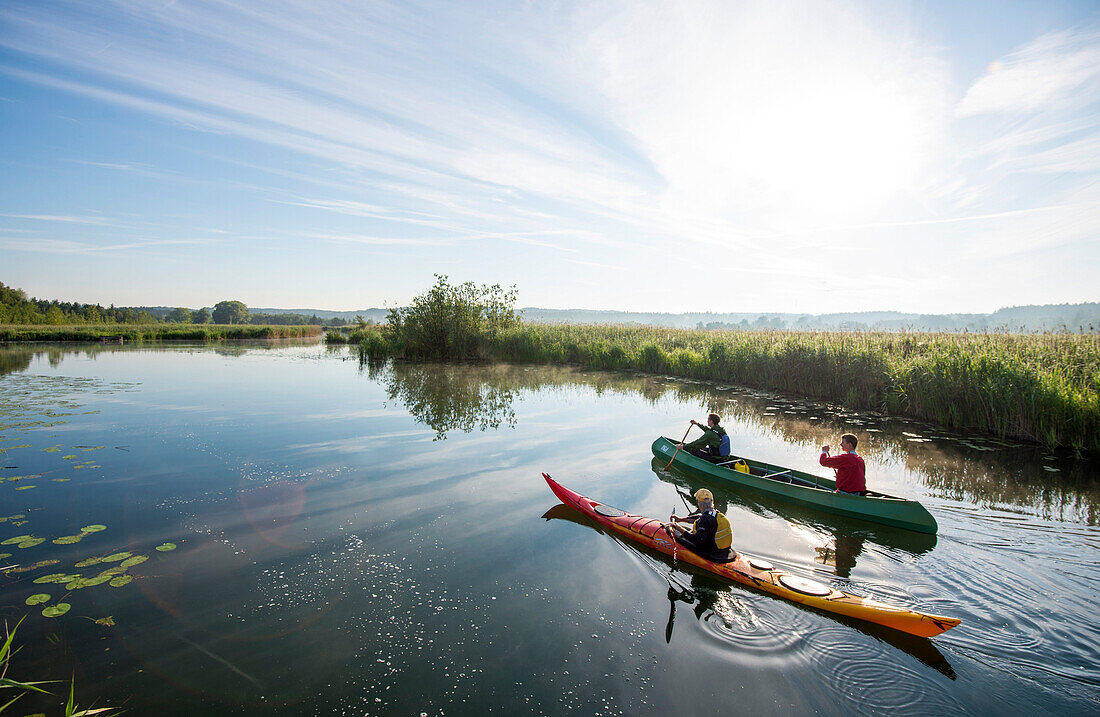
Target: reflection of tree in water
[(449, 397), (13, 360)]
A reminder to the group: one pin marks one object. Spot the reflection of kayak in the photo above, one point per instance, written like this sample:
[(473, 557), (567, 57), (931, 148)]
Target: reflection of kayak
[(755, 572), (805, 488)]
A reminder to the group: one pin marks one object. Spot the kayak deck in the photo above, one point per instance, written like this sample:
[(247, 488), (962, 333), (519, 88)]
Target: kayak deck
[(755, 572)]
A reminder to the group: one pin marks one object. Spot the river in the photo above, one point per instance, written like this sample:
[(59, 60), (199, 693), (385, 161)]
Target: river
[(345, 539)]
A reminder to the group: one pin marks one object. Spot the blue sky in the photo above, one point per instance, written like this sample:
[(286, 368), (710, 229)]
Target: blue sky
[(655, 156)]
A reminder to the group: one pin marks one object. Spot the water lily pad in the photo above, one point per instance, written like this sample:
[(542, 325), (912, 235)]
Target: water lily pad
[(77, 584), (88, 562), (38, 599), (16, 539), (106, 621), (115, 557), (68, 539), (131, 562), (111, 572), (61, 480), (121, 580), (56, 610), (166, 547), (54, 449), (5, 555), (93, 528), (68, 458), (51, 578), (31, 543), (24, 487), (97, 580)]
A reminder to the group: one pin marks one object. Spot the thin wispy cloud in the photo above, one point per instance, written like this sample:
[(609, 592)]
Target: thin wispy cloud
[(562, 139)]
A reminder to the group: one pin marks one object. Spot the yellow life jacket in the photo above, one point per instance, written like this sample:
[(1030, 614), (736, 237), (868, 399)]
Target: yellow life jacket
[(723, 536)]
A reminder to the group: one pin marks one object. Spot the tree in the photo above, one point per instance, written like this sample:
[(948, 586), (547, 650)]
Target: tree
[(179, 316), (448, 322), (200, 316), (230, 312)]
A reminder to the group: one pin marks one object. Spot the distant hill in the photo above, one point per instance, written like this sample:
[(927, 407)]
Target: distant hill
[(1073, 317)]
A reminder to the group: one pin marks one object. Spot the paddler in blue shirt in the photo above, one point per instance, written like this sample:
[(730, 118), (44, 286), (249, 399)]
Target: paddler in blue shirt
[(706, 532)]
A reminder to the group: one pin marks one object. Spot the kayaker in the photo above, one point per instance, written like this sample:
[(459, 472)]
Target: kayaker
[(710, 536), (851, 474), (714, 441)]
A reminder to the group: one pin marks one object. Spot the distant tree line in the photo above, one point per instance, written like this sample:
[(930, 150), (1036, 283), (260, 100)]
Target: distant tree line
[(16, 308)]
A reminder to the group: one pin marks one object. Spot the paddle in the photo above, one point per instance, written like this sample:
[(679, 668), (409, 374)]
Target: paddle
[(670, 460)]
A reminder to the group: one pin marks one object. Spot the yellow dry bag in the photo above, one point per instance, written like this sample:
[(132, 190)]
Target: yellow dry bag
[(723, 536), (741, 467)]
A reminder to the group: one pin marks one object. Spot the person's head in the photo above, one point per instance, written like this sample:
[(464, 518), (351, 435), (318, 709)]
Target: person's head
[(704, 498), (848, 442), (713, 419)]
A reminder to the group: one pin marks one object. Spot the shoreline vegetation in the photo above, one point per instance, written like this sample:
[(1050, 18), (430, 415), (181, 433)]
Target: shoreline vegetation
[(153, 332), (1043, 388)]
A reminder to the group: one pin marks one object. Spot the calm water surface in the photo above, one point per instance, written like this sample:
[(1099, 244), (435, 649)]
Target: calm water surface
[(378, 540)]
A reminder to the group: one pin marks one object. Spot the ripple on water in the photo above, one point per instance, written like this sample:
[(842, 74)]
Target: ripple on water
[(759, 627), (862, 674)]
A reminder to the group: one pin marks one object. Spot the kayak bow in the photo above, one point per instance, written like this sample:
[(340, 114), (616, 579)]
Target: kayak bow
[(755, 572)]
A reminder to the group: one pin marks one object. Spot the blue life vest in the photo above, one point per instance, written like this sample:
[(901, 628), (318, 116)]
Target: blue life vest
[(724, 446)]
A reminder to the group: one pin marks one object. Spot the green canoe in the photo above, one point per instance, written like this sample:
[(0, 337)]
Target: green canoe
[(805, 488)]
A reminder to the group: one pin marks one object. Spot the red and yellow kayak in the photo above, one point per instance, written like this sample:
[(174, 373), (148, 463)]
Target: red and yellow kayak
[(755, 572)]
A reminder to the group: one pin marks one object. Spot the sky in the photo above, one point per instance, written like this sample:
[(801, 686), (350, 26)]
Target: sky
[(726, 156)]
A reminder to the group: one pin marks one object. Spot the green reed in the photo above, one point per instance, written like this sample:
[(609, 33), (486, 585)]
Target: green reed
[(153, 332), (1044, 388)]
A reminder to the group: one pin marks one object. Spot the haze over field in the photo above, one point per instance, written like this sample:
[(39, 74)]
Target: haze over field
[(794, 157)]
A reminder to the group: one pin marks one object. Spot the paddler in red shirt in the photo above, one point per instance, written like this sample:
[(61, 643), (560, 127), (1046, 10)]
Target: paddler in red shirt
[(850, 471)]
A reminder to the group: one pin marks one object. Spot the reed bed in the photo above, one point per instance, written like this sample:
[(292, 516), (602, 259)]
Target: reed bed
[(1043, 388), (152, 332)]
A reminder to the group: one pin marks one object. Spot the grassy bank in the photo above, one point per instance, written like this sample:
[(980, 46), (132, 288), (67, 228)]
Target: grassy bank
[(1044, 388), (153, 332)]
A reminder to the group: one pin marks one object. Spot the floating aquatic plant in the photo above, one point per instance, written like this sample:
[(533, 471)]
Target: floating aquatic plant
[(38, 599), (115, 557), (131, 562), (68, 458), (24, 487), (87, 562), (33, 566), (93, 528), (165, 547), (55, 578), (31, 543), (19, 539), (106, 621), (121, 580), (68, 539), (56, 610)]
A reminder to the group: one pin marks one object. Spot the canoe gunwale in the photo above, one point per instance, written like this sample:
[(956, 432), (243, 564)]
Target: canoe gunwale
[(876, 508)]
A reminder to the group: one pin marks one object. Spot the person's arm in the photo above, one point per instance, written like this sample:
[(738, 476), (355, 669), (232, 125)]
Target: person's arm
[(830, 461)]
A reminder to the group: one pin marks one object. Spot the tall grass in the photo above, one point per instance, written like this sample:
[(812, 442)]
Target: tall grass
[(1044, 388), (152, 332)]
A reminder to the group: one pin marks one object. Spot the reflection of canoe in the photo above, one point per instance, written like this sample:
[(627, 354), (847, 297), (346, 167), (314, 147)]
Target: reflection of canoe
[(770, 506), (806, 488), (754, 572)]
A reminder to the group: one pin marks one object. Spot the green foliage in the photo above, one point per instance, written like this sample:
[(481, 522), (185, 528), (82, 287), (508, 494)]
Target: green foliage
[(450, 321), (179, 316), (153, 332), (201, 316), (1044, 388), (230, 312)]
